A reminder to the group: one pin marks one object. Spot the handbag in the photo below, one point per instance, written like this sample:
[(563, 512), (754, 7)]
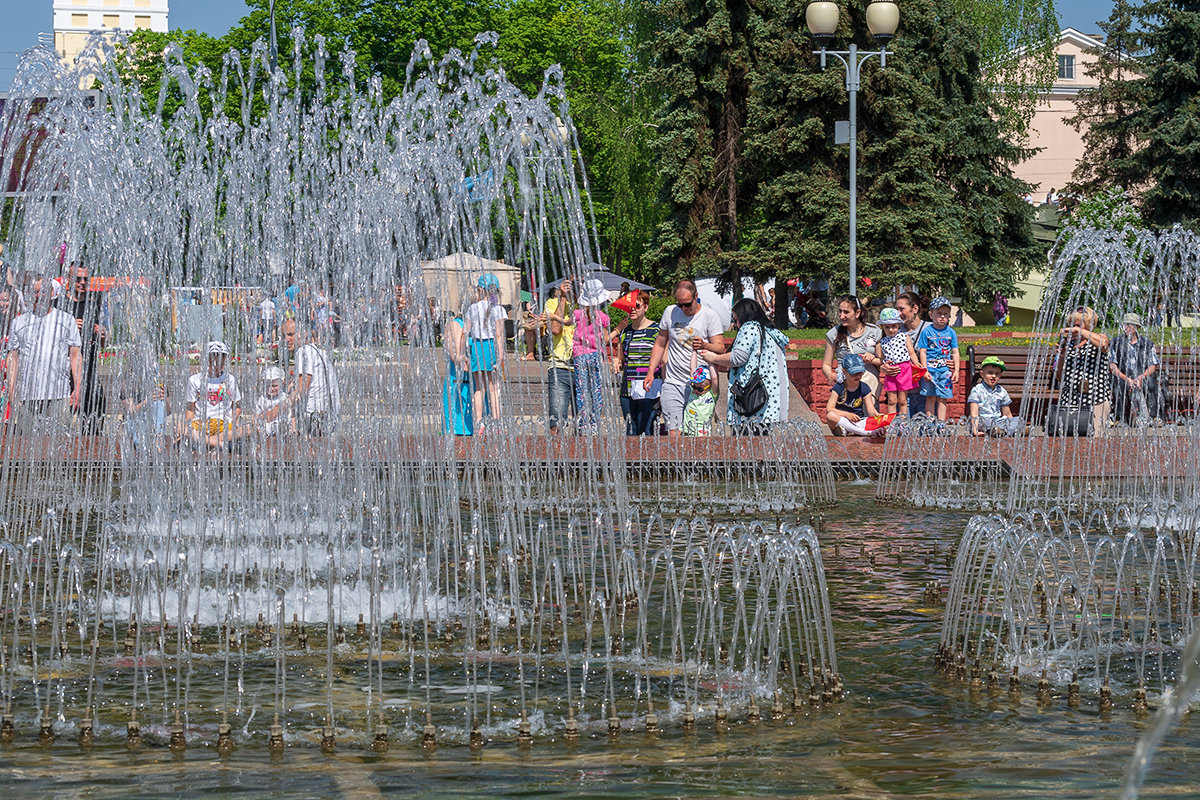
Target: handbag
[(1068, 421), (750, 395)]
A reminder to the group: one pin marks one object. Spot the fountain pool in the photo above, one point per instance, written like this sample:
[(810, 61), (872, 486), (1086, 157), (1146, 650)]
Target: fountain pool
[(902, 730)]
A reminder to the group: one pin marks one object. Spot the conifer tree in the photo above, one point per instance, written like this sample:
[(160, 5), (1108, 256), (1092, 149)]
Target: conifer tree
[(938, 206), (702, 56), (1101, 112), (1166, 118)]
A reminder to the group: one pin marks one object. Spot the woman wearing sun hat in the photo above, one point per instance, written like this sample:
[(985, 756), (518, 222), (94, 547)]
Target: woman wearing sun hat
[(591, 333)]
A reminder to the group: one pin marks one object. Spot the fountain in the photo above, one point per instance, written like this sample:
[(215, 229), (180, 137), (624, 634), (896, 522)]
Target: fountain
[(381, 582)]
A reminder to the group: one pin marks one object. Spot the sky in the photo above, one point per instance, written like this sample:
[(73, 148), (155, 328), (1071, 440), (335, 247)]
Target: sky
[(22, 20)]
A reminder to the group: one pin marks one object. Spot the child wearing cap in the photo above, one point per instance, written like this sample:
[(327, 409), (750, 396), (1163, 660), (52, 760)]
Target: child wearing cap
[(700, 408), (937, 349), (989, 405), (898, 359), (851, 401), (214, 402), (269, 408)]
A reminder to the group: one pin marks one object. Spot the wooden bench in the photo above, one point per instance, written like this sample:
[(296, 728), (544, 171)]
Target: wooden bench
[(1179, 365), (1017, 365)]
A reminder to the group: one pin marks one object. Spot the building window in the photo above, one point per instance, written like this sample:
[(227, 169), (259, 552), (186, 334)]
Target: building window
[(1066, 68), (142, 3), (79, 20), (141, 22), (112, 21)]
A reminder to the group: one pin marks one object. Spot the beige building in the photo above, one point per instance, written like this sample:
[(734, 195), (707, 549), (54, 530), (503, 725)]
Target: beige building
[(1061, 146), (76, 20)]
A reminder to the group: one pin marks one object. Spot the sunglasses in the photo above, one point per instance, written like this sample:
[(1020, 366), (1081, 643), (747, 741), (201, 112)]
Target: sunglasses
[(688, 304)]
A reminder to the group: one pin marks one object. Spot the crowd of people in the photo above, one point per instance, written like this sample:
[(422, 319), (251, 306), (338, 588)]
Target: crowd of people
[(668, 371), (55, 329)]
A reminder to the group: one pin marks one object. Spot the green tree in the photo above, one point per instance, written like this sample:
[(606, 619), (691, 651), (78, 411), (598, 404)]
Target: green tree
[(702, 56), (1165, 117), (938, 206), (1101, 111), (1017, 41)]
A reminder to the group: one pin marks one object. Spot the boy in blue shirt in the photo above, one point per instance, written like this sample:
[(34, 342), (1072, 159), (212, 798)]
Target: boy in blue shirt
[(937, 347)]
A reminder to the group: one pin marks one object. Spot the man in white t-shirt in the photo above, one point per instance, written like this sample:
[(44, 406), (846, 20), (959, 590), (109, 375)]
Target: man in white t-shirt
[(43, 358), (685, 330), (316, 392), (266, 311), (214, 402)]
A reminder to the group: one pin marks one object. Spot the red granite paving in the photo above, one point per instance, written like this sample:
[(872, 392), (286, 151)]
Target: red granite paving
[(1045, 456)]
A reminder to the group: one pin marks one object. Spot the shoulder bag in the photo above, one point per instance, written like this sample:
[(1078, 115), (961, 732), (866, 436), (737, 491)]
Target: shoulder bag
[(750, 395)]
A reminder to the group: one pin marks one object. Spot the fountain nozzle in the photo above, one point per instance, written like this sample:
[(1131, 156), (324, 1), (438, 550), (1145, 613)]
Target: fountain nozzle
[(46, 731), (571, 731), (1073, 691), (178, 741), (1139, 701), (429, 733), (87, 733), (381, 737)]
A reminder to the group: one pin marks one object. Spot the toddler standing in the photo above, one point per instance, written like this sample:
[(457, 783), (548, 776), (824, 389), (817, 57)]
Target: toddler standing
[(699, 411), (937, 347), (898, 354)]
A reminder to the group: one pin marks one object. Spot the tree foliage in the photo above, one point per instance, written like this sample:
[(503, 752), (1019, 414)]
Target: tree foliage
[(1101, 111), (1165, 112)]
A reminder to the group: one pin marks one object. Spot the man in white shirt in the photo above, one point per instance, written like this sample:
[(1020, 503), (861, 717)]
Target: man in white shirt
[(44, 360), (266, 310), (685, 330), (316, 393)]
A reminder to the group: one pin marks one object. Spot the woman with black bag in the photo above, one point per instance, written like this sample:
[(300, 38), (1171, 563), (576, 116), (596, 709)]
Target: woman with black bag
[(758, 394), (1082, 375)]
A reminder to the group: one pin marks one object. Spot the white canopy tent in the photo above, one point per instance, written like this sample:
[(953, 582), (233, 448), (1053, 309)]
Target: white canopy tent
[(452, 278)]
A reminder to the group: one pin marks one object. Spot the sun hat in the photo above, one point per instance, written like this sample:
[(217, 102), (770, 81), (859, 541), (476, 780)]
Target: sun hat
[(594, 293), (852, 364), (993, 361), (889, 316), (938, 302), (489, 281), (217, 348), (701, 374), (272, 374), (1132, 319)]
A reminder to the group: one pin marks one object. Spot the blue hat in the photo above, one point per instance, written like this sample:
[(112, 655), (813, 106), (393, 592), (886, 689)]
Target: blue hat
[(938, 302), (489, 281), (701, 374), (853, 364)]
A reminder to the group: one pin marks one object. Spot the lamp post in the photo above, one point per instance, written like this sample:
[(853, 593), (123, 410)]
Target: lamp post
[(882, 19), (274, 41)]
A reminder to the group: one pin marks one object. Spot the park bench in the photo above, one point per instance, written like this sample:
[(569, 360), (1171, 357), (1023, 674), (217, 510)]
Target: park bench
[(1180, 365)]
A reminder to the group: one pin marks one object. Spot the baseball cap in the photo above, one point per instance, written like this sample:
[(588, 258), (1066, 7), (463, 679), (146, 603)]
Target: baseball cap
[(993, 361), (272, 374), (938, 302), (853, 364), (488, 280), (889, 316), (701, 374), (217, 347)]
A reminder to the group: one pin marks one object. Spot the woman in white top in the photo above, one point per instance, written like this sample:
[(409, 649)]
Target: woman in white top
[(484, 327), (853, 335)]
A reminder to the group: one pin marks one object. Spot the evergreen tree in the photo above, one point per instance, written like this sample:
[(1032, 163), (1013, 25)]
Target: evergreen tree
[(938, 206), (1101, 112), (1166, 118), (702, 56)]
